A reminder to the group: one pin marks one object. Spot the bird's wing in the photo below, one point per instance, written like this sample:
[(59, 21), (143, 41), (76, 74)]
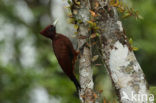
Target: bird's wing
[(69, 46), (63, 56), (72, 52)]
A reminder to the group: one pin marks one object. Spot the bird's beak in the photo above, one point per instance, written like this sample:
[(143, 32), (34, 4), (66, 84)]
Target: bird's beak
[(55, 22)]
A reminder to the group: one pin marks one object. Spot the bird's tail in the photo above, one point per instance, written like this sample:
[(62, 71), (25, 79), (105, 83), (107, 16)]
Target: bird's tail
[(78, 87)]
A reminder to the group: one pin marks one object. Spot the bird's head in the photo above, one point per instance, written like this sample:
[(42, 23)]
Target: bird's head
[(49, 31)]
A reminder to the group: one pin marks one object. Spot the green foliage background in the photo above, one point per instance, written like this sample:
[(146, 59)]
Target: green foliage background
[(18, 79)]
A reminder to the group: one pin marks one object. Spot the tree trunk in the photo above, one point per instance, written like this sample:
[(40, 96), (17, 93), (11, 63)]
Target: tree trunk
[(81, 13), (121, 64)]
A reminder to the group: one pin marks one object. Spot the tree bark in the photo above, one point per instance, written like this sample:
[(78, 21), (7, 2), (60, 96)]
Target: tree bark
[(120, 61), (117, 54), (81, 13)]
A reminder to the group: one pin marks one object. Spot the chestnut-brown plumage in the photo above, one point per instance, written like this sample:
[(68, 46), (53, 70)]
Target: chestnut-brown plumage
[(64, 51)]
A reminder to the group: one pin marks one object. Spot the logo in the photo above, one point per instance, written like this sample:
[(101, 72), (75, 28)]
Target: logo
[(138, 97)]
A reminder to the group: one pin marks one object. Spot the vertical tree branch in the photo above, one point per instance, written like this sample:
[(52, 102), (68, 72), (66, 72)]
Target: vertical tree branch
[(82, 15), (121, 64)]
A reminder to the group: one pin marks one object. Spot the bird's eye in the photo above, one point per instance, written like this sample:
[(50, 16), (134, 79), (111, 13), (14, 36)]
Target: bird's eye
[(50, 29)]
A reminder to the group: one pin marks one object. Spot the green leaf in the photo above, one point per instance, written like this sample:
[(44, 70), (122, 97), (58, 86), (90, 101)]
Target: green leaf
[(127, 14), (76, 26), (97, 34), (131, 41), (95, 58), (135, 48), (140, 17), (69, 2)]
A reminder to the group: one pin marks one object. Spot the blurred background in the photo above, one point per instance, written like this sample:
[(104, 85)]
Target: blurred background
[(29, 71)]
